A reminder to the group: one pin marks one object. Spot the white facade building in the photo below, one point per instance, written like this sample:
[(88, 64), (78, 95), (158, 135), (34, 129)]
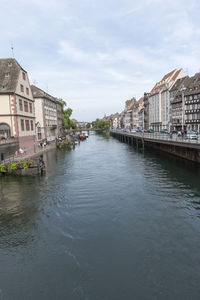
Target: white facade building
[(46, 115), (159, 101)]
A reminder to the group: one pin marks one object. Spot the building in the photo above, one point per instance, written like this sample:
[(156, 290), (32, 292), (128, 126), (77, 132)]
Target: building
[(176, 104), (17, 114), (159, 100), (135, 116), (121, 120), (146, 111), (115, 121), (46, 114), (130, 114), (141, 113), (192, 103), (59, 117)]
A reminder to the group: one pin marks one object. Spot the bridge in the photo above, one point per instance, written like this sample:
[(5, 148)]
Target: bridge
[(86, 129), (185, 148)]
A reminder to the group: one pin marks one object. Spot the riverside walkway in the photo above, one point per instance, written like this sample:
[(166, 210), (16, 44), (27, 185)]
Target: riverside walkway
[(182, 147), (32, 153)]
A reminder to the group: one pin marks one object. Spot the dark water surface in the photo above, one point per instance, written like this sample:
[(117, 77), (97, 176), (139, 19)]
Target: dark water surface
[(104, 223)]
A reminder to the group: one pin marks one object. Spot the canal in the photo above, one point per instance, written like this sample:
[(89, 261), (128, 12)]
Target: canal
[(105, 222)]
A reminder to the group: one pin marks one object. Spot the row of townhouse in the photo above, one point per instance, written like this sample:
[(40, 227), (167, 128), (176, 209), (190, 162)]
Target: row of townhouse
[(173, 103), (131, 118), (26, 112)]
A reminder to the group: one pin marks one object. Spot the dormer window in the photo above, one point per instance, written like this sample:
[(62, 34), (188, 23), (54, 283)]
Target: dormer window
[(22, 88)]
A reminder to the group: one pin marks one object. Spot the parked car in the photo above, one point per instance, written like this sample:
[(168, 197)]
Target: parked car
[(150, 130), (174, 131), (191, 135), (164, 130)]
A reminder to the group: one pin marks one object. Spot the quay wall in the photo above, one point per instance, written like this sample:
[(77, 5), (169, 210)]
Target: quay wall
[(186, 150), (8, 150)]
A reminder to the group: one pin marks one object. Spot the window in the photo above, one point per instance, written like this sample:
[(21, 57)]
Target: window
[(22, 125), (20, 105), (24, 75), (10, 64), (22, 88), (31, 125), (27, 125), (7, 75), (25, 106), (27, 91), (30, 107)]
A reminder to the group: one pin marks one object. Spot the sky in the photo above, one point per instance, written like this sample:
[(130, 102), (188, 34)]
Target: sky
[(98, 54)]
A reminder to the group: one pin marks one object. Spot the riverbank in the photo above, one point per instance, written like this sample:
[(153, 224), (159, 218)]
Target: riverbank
[(33, 153), (187, 149)]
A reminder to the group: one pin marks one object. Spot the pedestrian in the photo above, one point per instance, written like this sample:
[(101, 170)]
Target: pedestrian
[(182, 133)]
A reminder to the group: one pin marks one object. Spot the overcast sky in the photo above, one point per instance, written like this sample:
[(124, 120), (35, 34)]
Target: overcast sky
[(97, 54)]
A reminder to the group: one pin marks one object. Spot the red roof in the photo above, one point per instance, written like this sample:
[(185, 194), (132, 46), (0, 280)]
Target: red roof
[(168, 75)]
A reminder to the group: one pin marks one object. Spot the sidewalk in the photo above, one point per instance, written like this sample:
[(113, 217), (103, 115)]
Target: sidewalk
[(32, 154)]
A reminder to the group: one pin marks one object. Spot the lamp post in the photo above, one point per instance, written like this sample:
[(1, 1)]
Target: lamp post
[(183, 88)]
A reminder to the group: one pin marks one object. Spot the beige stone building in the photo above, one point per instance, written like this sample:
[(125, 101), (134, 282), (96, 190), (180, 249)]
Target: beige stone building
[(159, 101), (48, 113), (17, 112)]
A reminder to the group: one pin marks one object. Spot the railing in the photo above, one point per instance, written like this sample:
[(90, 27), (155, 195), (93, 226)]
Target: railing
[(161, 136), (8, 140)]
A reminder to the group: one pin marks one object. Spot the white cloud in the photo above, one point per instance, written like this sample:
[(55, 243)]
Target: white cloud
[(97, 54)]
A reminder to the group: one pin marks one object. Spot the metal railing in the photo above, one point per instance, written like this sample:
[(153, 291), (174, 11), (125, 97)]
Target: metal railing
[(162, 136), (8, 140)]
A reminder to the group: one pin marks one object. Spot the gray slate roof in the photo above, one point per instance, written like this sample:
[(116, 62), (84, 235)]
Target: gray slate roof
[(9, 74), (193, 86), (38, 93)]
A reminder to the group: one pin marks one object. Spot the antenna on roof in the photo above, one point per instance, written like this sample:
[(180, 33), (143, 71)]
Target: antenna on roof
[(12, 49)]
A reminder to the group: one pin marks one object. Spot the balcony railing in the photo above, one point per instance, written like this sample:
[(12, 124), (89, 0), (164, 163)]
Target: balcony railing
[(8, 140)]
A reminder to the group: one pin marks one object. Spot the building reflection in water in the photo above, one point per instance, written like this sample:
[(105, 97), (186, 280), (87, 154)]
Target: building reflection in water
[(19, 206)]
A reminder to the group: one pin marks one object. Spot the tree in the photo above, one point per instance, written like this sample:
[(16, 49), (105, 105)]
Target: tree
[(100, 124), (66, 114)]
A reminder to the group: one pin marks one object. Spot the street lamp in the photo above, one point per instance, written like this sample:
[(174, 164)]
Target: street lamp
[(183, 88)]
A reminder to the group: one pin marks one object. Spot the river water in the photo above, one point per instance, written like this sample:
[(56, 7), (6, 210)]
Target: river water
[(105, 222)]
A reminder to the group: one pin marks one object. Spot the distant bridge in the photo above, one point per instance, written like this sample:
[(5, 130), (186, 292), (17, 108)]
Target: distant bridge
[(86, 129)]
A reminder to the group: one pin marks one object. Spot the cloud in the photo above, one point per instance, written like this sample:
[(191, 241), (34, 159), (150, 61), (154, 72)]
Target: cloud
[(71, 52), (96, 54)]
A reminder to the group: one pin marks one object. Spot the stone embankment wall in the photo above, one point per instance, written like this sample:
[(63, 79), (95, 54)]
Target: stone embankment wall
[(8, 150), (189, 151)]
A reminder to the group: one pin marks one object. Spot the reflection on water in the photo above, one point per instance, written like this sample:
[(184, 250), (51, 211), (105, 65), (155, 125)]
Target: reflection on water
[(104, 222)]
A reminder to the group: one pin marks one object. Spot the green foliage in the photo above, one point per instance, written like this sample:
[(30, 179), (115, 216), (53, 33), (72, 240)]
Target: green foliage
[(64, 144), (13, 166), (66, 114), (2, 168), (88, 125), (16, 165), (25, 165), (100, 124)]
